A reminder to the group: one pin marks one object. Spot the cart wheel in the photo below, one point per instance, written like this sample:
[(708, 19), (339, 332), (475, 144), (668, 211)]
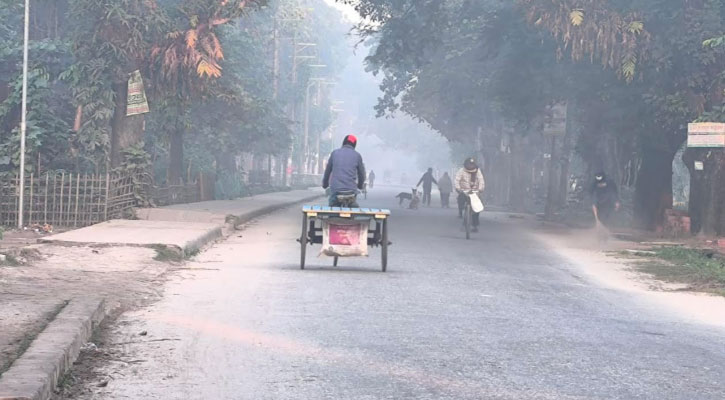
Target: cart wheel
[(334, 262), (303, 241), (384, 252)]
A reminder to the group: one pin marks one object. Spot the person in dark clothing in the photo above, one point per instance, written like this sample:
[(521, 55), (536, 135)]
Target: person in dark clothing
[(345, 170), (427, 180), (605, 199), (371, 179), (445, 186)]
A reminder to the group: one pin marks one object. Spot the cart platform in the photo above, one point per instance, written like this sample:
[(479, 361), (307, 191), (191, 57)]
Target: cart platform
[(312, 232)]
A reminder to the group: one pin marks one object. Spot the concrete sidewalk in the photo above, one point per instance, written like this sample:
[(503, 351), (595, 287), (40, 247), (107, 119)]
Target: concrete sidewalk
[(229, 211), (184, 237), (185, 228), (120, 271)]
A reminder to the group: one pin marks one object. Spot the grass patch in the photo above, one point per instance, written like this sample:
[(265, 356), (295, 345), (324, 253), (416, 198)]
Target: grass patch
[(701, 270), (192, 253), (166, 254)]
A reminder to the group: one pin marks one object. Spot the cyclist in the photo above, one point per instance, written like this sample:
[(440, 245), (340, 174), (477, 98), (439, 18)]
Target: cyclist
[(345, 172), (469, 179)]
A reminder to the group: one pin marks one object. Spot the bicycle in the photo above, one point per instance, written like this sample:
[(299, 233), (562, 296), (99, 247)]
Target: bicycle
[(468, 215)]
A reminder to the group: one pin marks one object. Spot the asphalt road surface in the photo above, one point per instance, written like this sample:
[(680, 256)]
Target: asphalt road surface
[(497, 317)]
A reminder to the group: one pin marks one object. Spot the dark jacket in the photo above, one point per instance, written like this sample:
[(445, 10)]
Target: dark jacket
[(604, 194), (345, 170), (427, 180)]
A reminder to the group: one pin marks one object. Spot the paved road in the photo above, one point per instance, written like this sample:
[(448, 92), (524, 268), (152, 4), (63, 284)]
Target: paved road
[(498, 317)]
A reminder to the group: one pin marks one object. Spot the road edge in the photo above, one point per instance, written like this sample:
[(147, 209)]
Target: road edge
[(36, 373), (234, 221)]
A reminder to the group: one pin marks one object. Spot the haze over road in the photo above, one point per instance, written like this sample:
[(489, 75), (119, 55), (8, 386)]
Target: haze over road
[(497, 317)]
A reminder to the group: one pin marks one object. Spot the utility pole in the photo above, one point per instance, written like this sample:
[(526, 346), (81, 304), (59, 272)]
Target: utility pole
[(24, 113), (330, 132), (313, 82), (275, 83), (307, 126), (275, 61)]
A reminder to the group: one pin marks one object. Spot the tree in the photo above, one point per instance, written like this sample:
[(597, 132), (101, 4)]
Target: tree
[(462, 65), (110, 40)]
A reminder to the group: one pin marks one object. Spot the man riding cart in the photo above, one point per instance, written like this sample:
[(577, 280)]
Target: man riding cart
[(343, 229), (345, 174)]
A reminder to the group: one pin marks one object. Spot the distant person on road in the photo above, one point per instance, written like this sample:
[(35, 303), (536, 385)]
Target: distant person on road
[(445, 186), (371, 179), (605, 199), (469, 179), (427, 180), (345, 170)]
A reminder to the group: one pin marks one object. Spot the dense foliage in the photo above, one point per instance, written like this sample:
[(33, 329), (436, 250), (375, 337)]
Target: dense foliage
[(214, 88), (486, 72)]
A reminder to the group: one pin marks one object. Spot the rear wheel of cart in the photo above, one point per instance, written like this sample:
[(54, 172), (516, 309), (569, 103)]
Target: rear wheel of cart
[(384, 244), (303, 241)]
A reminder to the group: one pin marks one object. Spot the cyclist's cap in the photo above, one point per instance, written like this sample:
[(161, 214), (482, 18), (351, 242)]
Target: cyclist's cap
[(351, 139)]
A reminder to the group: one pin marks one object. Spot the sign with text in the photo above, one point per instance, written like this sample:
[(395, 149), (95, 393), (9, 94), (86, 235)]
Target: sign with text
[(137, 103), (706, 134)]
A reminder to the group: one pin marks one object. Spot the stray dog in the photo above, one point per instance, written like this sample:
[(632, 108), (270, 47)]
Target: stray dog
[(412, 197)]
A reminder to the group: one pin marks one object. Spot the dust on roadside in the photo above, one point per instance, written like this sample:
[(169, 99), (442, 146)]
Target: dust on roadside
[(47, 276), (613, 264)]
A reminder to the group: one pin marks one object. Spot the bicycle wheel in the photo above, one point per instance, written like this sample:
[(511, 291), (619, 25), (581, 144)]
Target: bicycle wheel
[(303, 241), (467, 221)]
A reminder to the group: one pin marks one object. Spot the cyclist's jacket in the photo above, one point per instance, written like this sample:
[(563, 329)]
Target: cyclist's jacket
[(345, 170), (467, 180)]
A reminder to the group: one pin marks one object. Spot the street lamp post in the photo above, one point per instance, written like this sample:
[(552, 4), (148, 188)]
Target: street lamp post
[(24, 113), (305, 145), (330, 134), (298, 48)]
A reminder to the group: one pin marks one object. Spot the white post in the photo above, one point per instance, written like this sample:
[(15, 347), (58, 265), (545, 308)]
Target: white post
[(307, 128), (24, 112)]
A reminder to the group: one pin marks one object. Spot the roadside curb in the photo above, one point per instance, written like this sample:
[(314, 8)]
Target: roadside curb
[(36, 373), (234, 221), (182, 237)]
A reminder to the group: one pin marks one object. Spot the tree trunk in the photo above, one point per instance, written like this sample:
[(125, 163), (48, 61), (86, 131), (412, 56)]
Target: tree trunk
[(175, 173), (567, 149), (707, 191), (653, 192), (553, 181), (126, 131), (520, 176)]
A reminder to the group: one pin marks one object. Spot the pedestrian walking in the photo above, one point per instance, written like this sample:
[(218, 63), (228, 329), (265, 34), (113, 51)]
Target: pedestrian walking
[(445, 187), (427, 180)]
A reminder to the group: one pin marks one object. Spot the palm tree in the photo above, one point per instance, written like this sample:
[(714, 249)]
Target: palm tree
[(186, 63)]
